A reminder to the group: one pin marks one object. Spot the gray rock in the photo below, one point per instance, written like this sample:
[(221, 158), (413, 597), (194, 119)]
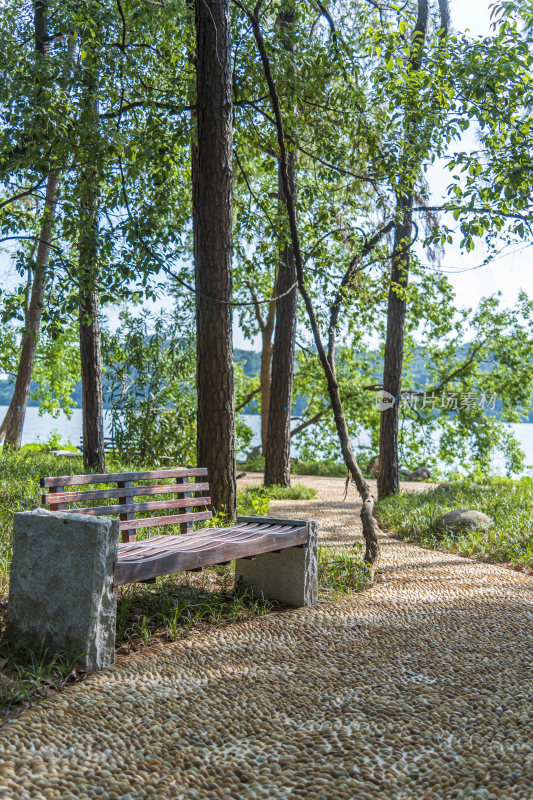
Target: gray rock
[(289, 576), (420, 474), (463, 518), (445, 486), (61, 585)]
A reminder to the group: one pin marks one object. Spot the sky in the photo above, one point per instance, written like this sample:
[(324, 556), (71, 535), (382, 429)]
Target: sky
[(509, 273)]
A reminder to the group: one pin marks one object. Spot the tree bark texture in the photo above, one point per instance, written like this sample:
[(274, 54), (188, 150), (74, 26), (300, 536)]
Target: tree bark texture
[(278, 445), (212, 201), (13, 423), (267, 348), (388, 475), (89, 325), (90, 339)]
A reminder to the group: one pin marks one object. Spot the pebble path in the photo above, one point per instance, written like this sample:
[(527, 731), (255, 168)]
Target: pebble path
[(419, 687)]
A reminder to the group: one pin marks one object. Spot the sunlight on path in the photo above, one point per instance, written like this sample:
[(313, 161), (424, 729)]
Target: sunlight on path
[(420, 687)]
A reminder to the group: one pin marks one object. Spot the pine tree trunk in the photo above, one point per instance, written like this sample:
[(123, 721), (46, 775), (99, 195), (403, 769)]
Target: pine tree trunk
[(278, 445), (388, 475), (212, 186), (14, 420)]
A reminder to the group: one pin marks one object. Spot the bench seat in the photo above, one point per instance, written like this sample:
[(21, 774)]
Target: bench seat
[(163, 555)]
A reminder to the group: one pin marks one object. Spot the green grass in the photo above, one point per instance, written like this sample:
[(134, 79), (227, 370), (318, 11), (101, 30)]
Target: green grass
[(509, 503), (252, 494), (26, 677), (341, 571), (327, 468)]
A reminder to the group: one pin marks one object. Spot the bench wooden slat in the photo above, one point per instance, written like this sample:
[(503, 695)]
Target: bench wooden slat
[(173, 519), (128, 533), (135, 491), (227, 544), (112, 477), (154, 505)]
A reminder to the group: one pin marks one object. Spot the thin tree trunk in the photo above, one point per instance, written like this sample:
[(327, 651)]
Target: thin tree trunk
[(89, 325), (278, 444), (212, 186), (14, 420), (267, 328), (327, 361), (388, 475), (13, 423), (265, 371)]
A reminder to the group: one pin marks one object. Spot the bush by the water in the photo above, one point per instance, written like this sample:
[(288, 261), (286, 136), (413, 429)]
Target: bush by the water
[(508, 503)]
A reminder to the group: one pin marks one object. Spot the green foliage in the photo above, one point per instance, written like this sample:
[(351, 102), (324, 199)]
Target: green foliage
[(342, 571), (509, 503), (328, 468), (295, 492), (149, 367)]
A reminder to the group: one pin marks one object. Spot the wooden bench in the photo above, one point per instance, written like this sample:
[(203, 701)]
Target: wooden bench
[(147, 559)]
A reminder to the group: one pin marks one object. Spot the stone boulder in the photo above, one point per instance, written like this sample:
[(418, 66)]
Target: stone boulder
[(420, 474), (61, 585), (462, 518)]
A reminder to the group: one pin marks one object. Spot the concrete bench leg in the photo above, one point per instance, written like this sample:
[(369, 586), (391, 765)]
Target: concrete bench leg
[(289, 576), (61, 585)]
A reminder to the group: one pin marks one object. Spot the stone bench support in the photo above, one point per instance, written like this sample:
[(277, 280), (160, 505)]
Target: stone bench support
[(61, 585), (289, 576)]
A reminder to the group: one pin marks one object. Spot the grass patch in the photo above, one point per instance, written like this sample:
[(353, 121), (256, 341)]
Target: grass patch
[(253, 495), (509, 503), (327, 468), (176, 604), (342, 571), (26, 677)]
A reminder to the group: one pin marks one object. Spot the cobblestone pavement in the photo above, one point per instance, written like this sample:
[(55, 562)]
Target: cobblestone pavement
[(419, 687)]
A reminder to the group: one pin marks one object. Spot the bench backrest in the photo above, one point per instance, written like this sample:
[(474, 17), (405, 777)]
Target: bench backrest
[(182, 482)]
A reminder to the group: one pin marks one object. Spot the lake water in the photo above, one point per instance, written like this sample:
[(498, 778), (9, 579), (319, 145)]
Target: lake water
[(38, 429)]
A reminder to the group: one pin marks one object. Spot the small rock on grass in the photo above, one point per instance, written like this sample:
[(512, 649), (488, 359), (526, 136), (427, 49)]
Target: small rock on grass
[(462, 518)]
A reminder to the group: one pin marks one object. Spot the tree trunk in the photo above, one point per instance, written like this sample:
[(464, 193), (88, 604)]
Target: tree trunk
[(91, 377), (90, 339), (278, 445), (14, 420), (266, 366), (388, 475), (13, 423), (212, 186)]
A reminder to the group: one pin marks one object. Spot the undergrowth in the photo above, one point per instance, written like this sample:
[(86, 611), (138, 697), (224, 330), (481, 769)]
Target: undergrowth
[(509, 504)]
